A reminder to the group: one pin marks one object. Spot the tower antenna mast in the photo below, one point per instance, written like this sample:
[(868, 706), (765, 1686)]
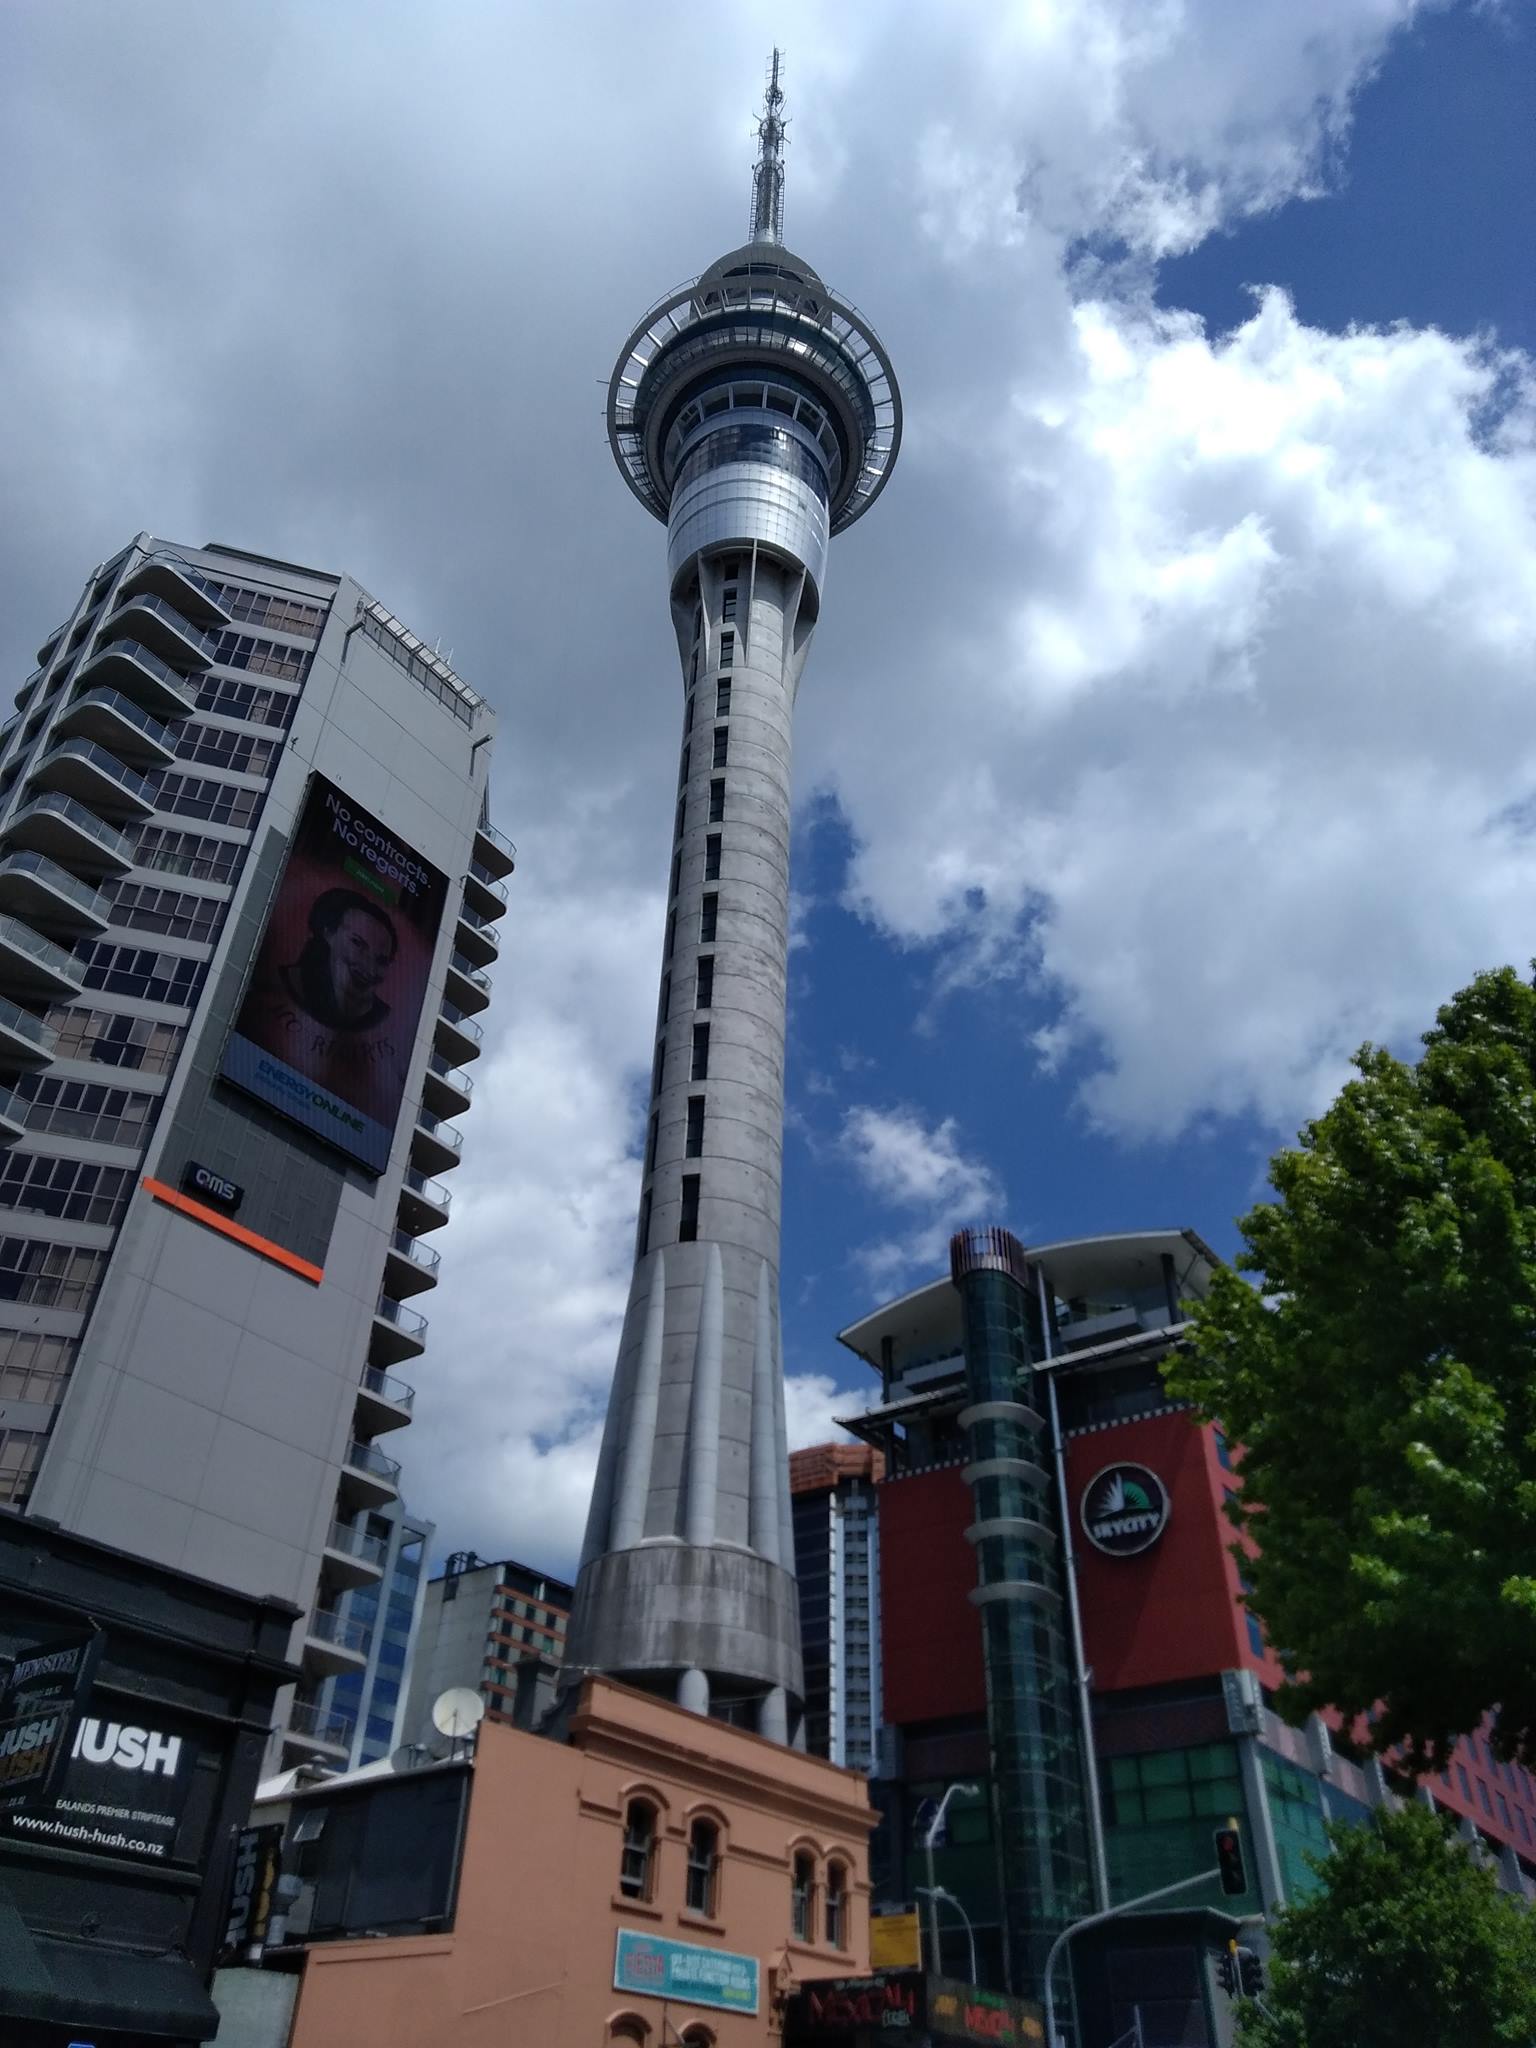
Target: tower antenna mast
[(768, 172)]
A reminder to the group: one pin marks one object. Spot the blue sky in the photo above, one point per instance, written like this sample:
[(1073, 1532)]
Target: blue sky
[(1168, 728)]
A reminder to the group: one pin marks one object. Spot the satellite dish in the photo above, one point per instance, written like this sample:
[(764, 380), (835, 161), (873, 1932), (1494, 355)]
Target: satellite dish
[(458, 1711)]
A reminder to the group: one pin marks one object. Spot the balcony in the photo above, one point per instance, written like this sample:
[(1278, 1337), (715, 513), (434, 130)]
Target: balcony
[(445, 1088), (25, 695), (410, 1267), (467, 988), (368, 1479), (129, 666), (35, 966), (482, 891), (72, 833), (13, 1116), (383, 1403), (50, 897), (457, 1037), (333, 1642), (45, 651), (315, 1727), (398, 1333), (82, 769), (352, 1557), (113, 718), (162, 629), (435, 1146), (424, 1203), (163, 576), (475, 937), (25, 1040), (493, 850)]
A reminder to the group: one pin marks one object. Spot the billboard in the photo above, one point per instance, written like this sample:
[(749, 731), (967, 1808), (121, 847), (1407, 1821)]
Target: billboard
[(41, 1694), (329, 1017), (685, 1971)]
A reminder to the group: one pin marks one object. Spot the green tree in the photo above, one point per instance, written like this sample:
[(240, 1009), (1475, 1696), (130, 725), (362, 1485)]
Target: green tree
[(1408, 1944), (1381, 1381)]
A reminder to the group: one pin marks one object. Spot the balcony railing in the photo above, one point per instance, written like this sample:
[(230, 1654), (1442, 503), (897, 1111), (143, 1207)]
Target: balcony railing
[(55, 960), (124, 707), (367, 1458), (388, 1389), (308, 1719), (357, 1543), (179, 623), (470, 972), (456, 1077), (340, 1629), (23, 1024), (136, 651), (429, 1190), (418, 1253), (462, 1021), (497, 838), (107, 837), (487, 880), (105, 762), (450, 1139), (85, 898), (405, 1320)]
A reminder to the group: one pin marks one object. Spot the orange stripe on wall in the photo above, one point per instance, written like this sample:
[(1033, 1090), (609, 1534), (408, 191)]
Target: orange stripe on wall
[(201, 1213)]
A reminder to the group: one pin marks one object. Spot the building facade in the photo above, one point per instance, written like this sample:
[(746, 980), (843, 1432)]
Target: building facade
[(837, 1568), (248, 895), (1173, 1676), (755, 413), (498, 1629)]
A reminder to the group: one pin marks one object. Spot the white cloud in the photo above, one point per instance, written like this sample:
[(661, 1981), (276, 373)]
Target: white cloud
[(921, 1172)]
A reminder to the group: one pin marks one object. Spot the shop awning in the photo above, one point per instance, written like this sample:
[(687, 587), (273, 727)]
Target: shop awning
[(81, 1985)]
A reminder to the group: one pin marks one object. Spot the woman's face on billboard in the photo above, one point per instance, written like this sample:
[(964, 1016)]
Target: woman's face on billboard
[(360, 949)]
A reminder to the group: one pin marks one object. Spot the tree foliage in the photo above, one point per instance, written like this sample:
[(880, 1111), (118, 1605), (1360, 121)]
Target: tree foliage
[(1408, 1941), (1382, 1385)]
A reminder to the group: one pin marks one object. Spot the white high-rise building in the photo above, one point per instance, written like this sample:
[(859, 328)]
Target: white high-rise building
[(756, 414), (248, 894)]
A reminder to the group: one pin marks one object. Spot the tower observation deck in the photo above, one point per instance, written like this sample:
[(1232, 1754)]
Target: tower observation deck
[(757, 414)]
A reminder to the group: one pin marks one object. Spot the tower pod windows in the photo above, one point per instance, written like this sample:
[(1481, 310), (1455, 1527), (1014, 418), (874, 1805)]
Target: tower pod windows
[(709, 919), (688, 1221), (693, 1145), (712, 857), (704, 992), (722, 743), (717, 800), (700, 1053), (723, 697)]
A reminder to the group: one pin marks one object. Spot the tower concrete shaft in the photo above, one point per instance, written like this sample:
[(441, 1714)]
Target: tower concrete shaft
[(755, 412)]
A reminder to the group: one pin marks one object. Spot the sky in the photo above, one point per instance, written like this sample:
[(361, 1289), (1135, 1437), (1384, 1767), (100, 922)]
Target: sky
[(1168, 727)]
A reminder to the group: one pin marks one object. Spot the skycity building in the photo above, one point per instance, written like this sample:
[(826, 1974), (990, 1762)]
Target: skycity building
[(755, 412), (248, 895)]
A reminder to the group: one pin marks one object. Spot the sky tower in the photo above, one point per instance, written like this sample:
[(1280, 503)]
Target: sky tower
[(756, 413)]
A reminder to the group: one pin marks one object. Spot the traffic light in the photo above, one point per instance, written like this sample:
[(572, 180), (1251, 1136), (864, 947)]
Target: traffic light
[(1229, 1860), (1250, 1973), (1226, 1969)]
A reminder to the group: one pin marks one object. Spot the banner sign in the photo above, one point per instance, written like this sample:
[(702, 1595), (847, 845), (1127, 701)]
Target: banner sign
[(1124, 1509), (123, 1790), (683, 1971), (253, 1892), (328, 1021), (908, 2005), (41, 1693), (894, 1941)]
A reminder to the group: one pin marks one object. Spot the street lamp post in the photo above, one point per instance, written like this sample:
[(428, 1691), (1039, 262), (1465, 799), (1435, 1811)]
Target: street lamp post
[(937, 1892), (1096, 1919), (934, 1829)]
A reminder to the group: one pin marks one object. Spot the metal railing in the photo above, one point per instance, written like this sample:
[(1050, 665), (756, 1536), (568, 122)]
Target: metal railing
[(419, 1254), (429, 1190), (13, 932), (445, 1070), (389, 1389), (339, 1629), (125, 708), (497, 838), (13, 1107), (357, 1543), (470, 972), (22, 1022), (144, 602), (404, 1319), (102, 758), (308, 1719), (81, 815), (365, 1458), (461, 1021), (79, 893), (483, 876), (146, 658), (445, 1134)]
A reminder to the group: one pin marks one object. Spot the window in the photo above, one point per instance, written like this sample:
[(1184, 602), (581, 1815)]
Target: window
[(1487, 1803), (687, 766), (700, 1069), (802, 1893), (1223, 1453), (677, 876), (704, 994), (1464, 1782), (693, 1145), (650, 1144), (192, 796), (113, 1039), (697, 2036), (84, 1193), (34, 1366), (1255, 1635), (664, 1009), (703, 1866), (728, 598), (85, 1109), (671, 934), (643, 1234), (837, 1906), (658, 1067), (255, 607), (636, 1864), (722, 745), (1503, 1806), (188, 853), (723, 697), (717, 800), (174, 912), (681, 821), (227, 699), (688, 1222), (628, 2028), (262, 658), (137, 971), (1173, 1784), (709, 917), (727, 650), (241, 752), (712, 857), (48, 1275)]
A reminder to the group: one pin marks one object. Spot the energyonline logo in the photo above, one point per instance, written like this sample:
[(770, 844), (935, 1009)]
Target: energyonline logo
[(1125, 1509)]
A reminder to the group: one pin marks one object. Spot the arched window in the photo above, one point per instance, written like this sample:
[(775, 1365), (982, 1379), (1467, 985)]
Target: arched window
[(802, 1895), (628, 2028), (637, 1864), (703, 1866), (837, 1905), (697, 2037)]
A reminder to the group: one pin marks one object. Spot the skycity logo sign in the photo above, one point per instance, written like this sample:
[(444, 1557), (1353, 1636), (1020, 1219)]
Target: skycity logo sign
[(1125, 1509)]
